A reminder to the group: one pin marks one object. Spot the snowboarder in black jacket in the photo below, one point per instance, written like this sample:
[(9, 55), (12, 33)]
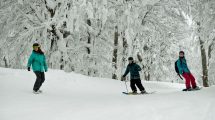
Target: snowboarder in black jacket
[(134, 69)]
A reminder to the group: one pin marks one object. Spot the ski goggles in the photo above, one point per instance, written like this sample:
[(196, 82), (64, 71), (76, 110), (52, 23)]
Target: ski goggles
[(34, 47)]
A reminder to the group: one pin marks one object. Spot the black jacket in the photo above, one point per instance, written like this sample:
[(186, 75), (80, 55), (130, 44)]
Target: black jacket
[(134, 69)]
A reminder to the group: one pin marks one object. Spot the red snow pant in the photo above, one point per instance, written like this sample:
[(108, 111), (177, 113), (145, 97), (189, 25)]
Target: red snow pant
[(189, 79)]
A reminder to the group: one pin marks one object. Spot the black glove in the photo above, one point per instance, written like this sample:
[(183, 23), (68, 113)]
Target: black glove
[(29, 69), (123, 78)]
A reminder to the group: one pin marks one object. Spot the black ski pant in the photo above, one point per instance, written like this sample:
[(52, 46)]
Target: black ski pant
[(39, 80), (138, 83)]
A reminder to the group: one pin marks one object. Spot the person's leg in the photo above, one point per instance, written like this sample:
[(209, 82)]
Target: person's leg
[(139, 85), (132, 84), (42, 78), (193, 81), (38, 81), (187, 80)]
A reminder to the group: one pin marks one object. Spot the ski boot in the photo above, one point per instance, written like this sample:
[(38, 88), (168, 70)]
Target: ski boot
[(187, 89), (36, 92), (143, 92)]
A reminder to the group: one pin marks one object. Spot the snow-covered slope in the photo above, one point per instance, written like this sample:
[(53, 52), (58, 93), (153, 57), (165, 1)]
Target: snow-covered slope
[(70, 96)]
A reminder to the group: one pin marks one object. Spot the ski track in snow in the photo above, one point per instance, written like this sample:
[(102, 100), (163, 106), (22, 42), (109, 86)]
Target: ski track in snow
[(71, 96)]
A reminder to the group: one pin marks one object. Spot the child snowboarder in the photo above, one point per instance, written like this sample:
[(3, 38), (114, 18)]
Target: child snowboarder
[(134, 69), (185, 72), (38, 62)]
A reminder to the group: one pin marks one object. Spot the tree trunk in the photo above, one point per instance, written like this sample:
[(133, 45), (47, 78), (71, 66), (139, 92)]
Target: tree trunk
[(88, 48), (114, 60), (204, 64), (147, 67), (89, 37), (124, 52), (204, 58), (5, 62), (210, 49), (147, 72)]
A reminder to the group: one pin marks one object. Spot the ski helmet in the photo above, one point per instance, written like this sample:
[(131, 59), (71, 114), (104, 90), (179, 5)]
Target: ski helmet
[(181, 52), (130, 58)]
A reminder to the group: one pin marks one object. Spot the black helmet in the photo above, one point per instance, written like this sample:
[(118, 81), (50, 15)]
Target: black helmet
[(181, 52), (130, 58)]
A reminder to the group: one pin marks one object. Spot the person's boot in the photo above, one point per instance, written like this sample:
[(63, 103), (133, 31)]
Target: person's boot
[(134, 92), (36, 92), (187, 89), (143, 92), (196, 88)]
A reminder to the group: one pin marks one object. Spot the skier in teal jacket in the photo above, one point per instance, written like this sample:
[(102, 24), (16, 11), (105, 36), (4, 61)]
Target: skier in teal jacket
[(185, 72), (38, 62)]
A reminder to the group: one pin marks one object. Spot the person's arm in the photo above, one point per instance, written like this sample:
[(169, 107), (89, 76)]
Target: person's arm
[(30, 60), (45, 64), (138, 67), (126, 71), (180, 69)]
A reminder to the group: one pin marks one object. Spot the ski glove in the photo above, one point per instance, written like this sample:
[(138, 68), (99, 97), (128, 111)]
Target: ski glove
[(29, 69), (123, 78)]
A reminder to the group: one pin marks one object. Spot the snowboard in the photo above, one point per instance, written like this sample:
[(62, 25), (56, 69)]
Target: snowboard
[(130, 93), (193, 89)]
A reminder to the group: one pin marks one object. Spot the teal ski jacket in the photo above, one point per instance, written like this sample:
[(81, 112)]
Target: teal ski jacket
[(182, 66), (38, 62)]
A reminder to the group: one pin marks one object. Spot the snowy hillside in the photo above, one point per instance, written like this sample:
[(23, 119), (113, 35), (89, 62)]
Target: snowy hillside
[(70, 96), (85, 36)]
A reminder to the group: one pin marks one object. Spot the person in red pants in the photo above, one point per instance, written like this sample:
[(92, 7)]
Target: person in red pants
[(185, 72)]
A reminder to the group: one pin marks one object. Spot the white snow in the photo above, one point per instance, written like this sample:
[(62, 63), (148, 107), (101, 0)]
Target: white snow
[(71, 96)]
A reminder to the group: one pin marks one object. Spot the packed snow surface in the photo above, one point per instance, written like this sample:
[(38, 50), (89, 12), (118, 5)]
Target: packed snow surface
[(71, 96)]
